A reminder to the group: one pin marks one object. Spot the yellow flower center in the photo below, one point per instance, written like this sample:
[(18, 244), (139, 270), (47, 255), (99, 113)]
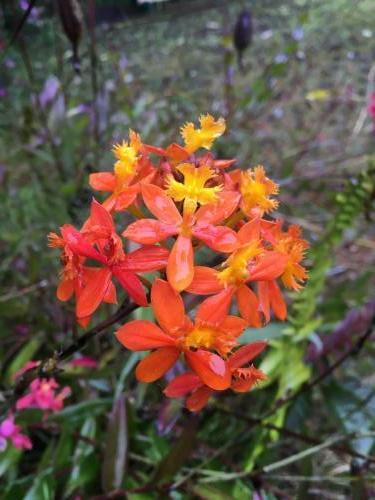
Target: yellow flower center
[(193, 190), (202, 137), (127, 156), (236, 267), (256, 190), (201, 337)]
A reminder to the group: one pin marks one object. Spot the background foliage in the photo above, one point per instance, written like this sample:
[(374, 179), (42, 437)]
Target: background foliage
[(300, 109)]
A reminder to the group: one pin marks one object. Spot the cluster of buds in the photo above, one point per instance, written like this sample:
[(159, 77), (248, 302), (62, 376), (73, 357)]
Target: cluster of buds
[(182, 202)]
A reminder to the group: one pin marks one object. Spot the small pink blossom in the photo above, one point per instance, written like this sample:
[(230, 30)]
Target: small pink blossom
[(43, 395), (10, 431), (84, 361)]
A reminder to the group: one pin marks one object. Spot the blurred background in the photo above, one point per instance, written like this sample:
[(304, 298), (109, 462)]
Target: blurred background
[(295, 81)]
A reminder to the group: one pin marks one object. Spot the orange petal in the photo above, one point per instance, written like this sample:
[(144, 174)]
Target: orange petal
[(147, 259), (180, 268), (149, 231), (110, 296), (177, 152), (182, 385), (205, 281), (78, 245), (270, 266), (102, 181), (249, 231), (199, 398), (248, 306), (219, 238), (100, 216), (277, 301), (153, 366), (65, 290), (160, 204), (142, 335), (214, 213), (132, 284), (264, 299), (168, 306), (126, 197), (214, 309), (246, 354), (210, 368), (93, 293), (233, 325)]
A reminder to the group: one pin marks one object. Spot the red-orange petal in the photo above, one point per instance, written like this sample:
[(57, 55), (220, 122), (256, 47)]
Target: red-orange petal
[(270, 266), (205, 281), (126, 197), (210, 368), (182, 385), (277, 301), (78, 245), (214, 213), (233, 325), (199, 399), (102, 181), (99, 216), (180, 267), (160, 205), (65, 290), (93, 293), (110, 296), (168, 306), (214, 309), (132, 284), (149, 231), (142, 335), (249, 231), (248, 306), (147, 259), (156, 364), (219, 238), (246, 354), (177, 152)]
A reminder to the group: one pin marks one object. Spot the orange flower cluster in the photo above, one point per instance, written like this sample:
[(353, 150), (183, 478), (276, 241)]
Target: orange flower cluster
[(192, 201)]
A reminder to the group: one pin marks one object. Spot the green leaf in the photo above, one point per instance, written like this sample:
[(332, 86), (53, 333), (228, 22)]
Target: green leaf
[(116, 449)]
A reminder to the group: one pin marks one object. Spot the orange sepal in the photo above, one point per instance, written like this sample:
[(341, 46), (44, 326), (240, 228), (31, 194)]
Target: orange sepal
[(160, 205), (146, 259), (205, 281), (65, 290), (168, 306), (219, 238), (277, 301), (214, 309), (142, 335), (102, 181), (214, 213), (210, 368), (270, 266), (248, 306), (199, 398), (246, 354), (149, 231), (153, 366), (182, 385), (93, 293), (180, 267)]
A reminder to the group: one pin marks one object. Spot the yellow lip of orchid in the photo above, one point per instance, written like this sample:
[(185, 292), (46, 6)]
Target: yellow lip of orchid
[(127, 155), (256, 189), (203, 137), (193, 190), (236, 266)]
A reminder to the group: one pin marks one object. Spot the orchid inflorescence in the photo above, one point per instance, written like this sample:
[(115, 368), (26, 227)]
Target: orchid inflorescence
[(182, 202)]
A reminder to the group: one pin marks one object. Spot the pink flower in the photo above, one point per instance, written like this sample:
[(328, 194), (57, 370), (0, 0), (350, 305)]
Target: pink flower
[(371, 106), (10, 431), (43, 395), (84, 361)]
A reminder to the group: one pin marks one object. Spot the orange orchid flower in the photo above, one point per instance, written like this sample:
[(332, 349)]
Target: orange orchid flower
[(243, 378), (100, 231), (201, 225), (132, 167), (213, 330)]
